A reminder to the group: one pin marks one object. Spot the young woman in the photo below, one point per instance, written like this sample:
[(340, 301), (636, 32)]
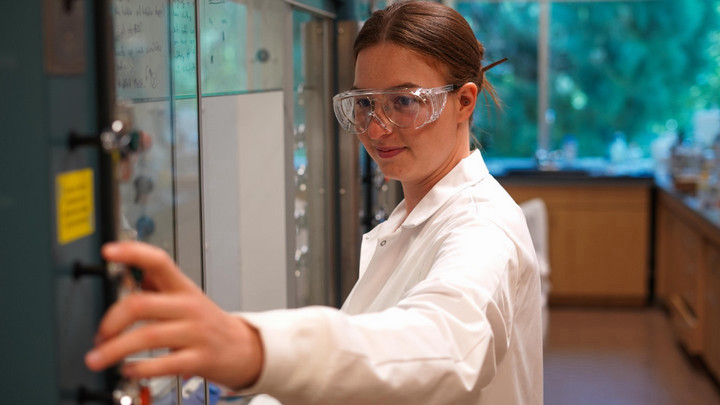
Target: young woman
[(447, 307)]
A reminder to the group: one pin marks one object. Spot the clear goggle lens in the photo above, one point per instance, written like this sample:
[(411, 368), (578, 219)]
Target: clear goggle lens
[(404, 108)]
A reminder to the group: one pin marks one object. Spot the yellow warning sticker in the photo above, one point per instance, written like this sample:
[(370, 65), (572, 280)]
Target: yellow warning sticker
[(75, 205)]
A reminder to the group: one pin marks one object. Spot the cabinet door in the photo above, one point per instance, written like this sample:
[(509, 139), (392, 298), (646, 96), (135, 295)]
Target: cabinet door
[(598, 253), (599, 238), (678, 260), (712, 308), (687, 266), (681, 277), (664, 245)]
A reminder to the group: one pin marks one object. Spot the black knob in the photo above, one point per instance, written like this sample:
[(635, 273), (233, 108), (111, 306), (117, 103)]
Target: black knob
[(85, 395), (82, 269)]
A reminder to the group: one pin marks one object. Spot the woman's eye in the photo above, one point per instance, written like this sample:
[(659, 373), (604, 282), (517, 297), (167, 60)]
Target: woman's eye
[(363, 103), (404, 102)]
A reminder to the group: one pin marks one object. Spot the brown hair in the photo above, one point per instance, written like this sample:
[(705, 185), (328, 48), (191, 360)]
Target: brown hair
[(434, 31)]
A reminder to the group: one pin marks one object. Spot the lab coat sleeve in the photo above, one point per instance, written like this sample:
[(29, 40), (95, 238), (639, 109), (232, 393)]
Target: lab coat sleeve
[(439, 345)]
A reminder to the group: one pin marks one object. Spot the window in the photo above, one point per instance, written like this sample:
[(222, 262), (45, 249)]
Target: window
[(592, 76)]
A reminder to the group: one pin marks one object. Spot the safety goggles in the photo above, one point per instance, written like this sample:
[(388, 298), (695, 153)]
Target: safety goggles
[(404, 108)]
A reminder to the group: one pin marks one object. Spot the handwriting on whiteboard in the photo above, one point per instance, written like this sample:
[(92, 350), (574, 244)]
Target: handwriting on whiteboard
[(153, 41)]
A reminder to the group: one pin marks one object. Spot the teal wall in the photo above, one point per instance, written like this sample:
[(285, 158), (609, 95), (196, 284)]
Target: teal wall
[(46, 318), (26, 284)]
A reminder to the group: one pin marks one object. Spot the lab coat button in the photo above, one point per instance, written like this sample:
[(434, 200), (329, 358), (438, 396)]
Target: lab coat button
[(383, 243)]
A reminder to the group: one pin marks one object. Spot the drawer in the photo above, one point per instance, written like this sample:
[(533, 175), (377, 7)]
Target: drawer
[(685, 325)]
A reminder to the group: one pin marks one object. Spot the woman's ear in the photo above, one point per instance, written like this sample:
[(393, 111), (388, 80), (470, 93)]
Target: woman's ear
[(467, 96)]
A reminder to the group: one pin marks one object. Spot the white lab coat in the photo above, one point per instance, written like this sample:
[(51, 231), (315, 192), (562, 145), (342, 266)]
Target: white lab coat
[(447, 310)]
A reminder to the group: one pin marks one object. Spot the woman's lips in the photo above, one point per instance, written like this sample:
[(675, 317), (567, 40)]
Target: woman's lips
[(387, 153)]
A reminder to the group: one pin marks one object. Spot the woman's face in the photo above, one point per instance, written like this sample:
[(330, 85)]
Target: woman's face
[(413, 156)]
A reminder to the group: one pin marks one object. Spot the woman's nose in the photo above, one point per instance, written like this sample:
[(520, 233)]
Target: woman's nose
[(378, 127)]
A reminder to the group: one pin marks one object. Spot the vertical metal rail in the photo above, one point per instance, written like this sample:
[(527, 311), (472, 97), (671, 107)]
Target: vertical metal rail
[(198, 85), (106, 99), (105, 62), (290, 237), (173, 158), (543, 75), (199, 92), (331, 247), (348, 167)]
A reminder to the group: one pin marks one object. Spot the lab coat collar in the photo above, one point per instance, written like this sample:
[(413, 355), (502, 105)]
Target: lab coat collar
[(468, 172)]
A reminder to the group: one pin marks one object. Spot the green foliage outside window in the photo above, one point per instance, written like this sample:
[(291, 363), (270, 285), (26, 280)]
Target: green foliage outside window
[(625, 67), (507, 30)]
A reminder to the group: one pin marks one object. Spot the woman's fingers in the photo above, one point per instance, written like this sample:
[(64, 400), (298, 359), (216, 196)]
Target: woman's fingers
[(204, 340), (143, 307), (159, 270), (172, 334), (176, 363), (232, 357)]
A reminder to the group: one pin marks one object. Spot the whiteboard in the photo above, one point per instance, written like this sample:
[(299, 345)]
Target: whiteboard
[(156, 47), (153, 40)]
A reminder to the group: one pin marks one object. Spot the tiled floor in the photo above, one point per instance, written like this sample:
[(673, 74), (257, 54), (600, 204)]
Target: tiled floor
[(620, 357)]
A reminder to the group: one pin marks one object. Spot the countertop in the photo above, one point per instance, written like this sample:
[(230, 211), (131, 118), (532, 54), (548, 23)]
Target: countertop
[(586, 172), (707, 218), (599, 172)]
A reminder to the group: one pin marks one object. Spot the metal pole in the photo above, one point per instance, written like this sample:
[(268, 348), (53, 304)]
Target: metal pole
[(543, 75)]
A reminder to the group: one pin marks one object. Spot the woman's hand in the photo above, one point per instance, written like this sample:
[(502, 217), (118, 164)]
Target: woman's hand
[(203, 339)]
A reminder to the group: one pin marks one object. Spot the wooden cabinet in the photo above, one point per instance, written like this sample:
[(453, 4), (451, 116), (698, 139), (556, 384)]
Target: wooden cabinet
[(712, 309), (679, 274), (599, 240), (688, 275)]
